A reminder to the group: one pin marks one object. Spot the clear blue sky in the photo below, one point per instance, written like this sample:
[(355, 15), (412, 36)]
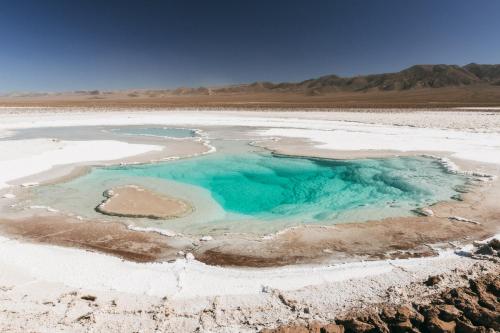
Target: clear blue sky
[(74, 44)]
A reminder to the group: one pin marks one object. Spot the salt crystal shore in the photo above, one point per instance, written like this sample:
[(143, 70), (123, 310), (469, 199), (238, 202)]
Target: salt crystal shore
[(22, 158)]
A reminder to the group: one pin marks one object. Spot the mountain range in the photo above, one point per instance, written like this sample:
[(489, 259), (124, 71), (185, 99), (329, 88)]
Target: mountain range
[(418, 76), (427, 86)]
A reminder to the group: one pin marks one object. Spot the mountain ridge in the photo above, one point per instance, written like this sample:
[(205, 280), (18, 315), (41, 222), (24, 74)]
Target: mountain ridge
[(413, 77), (418, 86), (416, 76)]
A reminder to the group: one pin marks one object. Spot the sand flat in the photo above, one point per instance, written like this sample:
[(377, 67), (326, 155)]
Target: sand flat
[(135, 201)]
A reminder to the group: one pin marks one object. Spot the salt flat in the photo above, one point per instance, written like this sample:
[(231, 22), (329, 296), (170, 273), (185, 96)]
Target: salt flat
[(249, 296)]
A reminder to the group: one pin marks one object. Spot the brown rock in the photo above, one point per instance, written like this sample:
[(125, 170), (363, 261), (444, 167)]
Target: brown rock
[(372, 317), (357, 326), (494, 287), (89, 298), (481, 310), (483, 317), (402, 327), (85, 317), (477, 287), (432, 280), (486, 299), (417, 319), (332, 328), (495, 243), (463, 327), (449, 312), (402, 319), (436, 325), (403, 313), (488, 302), (287, 329), (486, 250), (429, 311), (315, 327), (470, 309), (379, 324), (389, 314)]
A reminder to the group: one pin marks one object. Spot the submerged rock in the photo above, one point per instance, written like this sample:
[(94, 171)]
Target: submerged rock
[(495, 243), (424, 211), (485, 249)]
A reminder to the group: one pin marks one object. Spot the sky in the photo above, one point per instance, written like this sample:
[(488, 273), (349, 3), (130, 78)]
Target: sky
[(65, 45)]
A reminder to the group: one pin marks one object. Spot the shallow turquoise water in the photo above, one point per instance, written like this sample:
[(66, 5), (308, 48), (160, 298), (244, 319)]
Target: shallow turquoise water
[(275, 187), (258, 192), (156, 131)]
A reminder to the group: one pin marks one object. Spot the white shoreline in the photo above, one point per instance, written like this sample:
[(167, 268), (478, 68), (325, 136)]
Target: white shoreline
[(183, 279), (480, 147), (37, 155), (322, 128)]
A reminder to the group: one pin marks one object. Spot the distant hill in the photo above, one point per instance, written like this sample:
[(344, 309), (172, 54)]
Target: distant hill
[(486, 73), (417, 86), (418, 76)]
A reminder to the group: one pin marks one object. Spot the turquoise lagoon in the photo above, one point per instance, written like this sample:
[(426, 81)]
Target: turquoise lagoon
[(244, 191)]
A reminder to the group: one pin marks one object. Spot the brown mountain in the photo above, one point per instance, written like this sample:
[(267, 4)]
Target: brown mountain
[(415, 77), (486, 73), (416, 86), (418, 76)]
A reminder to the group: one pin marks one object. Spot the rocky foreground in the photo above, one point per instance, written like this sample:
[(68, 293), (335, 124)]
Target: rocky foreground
[(474, 308)]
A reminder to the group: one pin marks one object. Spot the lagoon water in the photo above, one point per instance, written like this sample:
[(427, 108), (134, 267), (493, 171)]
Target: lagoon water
[(239, 189), (166, 132)]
